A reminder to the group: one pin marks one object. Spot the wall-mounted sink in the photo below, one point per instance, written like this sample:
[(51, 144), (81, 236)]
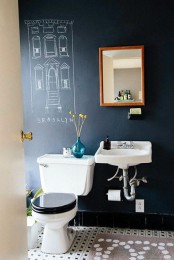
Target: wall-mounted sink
[(123, 156)]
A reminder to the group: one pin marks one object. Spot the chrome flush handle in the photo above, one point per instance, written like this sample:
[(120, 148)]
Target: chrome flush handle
[(44, 165)]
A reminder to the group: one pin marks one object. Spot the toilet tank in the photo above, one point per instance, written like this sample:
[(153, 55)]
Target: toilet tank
[(67, 175)]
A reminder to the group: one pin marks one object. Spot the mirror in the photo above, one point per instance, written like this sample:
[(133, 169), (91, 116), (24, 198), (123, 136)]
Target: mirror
[(122, 76)]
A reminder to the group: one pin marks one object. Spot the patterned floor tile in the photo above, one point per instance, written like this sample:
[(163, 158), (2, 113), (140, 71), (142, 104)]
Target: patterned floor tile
[(84, 239)]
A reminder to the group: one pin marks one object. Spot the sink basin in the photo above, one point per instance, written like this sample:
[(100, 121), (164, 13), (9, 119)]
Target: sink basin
[(125, 157)]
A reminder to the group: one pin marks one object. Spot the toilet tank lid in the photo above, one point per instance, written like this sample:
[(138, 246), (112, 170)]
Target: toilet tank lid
[(58, 158)]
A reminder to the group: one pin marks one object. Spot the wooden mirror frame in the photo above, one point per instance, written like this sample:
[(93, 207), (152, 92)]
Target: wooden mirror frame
[(127, 103)]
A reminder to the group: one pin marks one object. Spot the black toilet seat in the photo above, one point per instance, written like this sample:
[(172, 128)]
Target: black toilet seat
[(54, 203)]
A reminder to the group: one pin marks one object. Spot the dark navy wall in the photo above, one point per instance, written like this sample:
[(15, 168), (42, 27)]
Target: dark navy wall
[(97, 24)]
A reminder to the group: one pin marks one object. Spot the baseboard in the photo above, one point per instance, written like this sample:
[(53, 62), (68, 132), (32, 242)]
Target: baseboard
[(124, 220)]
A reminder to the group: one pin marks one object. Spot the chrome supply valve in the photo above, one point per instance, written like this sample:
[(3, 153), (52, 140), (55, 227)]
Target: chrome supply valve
[(134, 182), (144, 179), (120, 178), (137, 182)]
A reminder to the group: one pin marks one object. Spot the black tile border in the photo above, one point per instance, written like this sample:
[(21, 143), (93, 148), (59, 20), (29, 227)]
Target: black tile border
[(124, 220)]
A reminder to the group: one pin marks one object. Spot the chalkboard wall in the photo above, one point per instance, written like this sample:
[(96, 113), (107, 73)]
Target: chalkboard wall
[(84, 26)]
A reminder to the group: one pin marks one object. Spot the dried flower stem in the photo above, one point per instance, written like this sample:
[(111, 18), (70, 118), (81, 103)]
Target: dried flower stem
[(78, 123)]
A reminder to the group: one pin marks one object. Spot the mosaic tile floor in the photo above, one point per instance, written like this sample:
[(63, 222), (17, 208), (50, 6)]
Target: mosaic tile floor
[(84, 239)]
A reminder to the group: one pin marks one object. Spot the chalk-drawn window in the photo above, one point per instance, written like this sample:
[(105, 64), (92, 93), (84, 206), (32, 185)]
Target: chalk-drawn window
[(64, 71), (50, 48), (48, 29), (61, 29), (36, 47), (39, 77), (52, 79), (63, 49), (35, 30)]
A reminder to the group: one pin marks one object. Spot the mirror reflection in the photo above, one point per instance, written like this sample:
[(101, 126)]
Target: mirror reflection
[(122, 76)]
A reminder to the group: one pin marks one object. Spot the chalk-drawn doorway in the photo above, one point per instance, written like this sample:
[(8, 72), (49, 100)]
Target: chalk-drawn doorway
[(52, 86)]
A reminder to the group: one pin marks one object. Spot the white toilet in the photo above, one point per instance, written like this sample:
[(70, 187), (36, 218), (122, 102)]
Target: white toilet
[(62, 180)]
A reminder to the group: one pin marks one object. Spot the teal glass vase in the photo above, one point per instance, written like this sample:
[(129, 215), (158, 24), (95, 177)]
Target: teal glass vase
[(78, 149)]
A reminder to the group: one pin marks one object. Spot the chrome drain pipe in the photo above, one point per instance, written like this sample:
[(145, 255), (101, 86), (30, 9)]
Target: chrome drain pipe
[(125, 186)]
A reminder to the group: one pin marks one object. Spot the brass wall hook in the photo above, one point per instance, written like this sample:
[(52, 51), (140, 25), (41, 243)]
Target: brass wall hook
[(28, 136)]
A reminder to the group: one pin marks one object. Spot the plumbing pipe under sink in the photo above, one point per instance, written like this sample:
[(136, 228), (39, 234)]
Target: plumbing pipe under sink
[(125, 186), (133, 183)]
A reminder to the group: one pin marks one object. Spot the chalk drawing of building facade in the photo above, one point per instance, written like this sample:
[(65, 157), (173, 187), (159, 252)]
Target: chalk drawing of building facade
[(52, 85), (39, 83), (64, 74), (51, 65)]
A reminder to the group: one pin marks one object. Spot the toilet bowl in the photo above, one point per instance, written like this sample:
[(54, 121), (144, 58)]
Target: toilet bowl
[(54, 211), (62, 180)]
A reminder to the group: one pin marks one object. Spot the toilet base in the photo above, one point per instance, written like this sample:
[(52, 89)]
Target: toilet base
[(57, 241), (57, 237)]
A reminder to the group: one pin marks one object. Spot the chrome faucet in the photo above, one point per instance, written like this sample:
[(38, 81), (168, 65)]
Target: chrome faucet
[(125, 145)]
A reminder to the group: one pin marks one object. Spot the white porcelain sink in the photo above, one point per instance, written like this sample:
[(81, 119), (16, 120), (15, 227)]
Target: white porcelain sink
[(125, 157)]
